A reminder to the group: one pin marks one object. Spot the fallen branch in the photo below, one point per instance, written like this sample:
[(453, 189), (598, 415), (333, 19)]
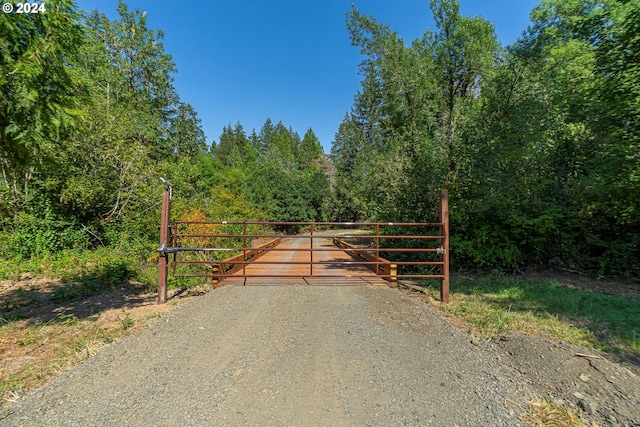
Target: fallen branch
[(588, 356)]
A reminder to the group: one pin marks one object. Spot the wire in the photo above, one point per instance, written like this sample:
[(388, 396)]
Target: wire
[(150, 207)]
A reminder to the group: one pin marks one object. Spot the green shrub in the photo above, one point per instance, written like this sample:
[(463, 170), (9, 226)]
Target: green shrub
[(31, 236)]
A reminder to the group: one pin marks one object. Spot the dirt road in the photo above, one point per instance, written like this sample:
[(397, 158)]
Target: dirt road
[(284, 355), (321, 355)]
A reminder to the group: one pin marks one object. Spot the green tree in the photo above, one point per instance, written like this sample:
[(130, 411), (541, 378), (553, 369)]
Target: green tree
[(40, 94), (347, 151), (550, 170), (282, 146), (234, 148), (465, 51), (276, 191), (264, 139), (185, 136), (410, 119), (316, 183), (310, 149), (135, 126), (139, 78)]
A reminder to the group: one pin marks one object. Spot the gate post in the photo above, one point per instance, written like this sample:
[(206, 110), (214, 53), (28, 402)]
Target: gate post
[(163, 261), (444, 257)]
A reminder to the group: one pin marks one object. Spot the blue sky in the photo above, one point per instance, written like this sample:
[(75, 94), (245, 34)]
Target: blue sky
[(289, 60)]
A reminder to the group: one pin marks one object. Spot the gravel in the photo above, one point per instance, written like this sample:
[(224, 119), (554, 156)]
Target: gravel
[(317, 355)]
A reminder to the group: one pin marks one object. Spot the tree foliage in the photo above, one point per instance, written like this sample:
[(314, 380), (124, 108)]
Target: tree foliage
[(537, 142), (40, 94), (93, 120)]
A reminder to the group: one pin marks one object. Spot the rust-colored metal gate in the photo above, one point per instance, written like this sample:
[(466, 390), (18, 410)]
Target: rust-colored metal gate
[(232, 250)]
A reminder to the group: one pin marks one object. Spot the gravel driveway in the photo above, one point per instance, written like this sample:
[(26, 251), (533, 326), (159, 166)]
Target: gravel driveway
[(287, 355)]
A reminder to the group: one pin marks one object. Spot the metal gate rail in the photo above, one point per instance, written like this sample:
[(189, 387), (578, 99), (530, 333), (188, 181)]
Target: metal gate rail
[(218, 240)]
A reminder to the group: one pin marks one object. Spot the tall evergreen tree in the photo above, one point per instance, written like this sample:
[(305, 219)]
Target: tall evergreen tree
[(185, 135), (234, 148), (310, 149)]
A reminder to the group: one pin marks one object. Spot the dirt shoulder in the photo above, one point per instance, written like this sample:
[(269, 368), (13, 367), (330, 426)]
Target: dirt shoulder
[(44, 331), (580, 379)]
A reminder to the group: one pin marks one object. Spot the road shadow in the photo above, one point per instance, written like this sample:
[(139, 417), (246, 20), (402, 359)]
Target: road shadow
[(37, 299)]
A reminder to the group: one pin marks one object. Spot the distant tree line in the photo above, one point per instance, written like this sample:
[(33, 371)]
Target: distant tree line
[(537, 142), (284, 175)]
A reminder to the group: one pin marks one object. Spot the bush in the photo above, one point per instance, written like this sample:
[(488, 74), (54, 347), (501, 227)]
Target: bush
[(33, 236)]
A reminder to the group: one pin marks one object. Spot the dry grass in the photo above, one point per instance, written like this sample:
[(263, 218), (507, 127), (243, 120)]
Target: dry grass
[(41, 337), (548, 413), (33, 354)]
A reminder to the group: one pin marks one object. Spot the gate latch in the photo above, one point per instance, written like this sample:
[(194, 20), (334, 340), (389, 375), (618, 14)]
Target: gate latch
[(441, 251), (162, 250)]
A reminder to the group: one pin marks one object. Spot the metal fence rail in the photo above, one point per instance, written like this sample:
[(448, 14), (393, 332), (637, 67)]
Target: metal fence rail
[(227, 248)]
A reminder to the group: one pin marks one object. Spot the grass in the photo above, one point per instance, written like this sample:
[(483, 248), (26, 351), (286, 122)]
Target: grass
[(587, 316), (47, 349), (591, 318), (547, 413), (35, 353), (90, 268)]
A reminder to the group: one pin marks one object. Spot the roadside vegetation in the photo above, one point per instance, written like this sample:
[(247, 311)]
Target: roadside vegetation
[(35, 353), (537, 142), (603, 316), (98, 270), (547, 413)]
